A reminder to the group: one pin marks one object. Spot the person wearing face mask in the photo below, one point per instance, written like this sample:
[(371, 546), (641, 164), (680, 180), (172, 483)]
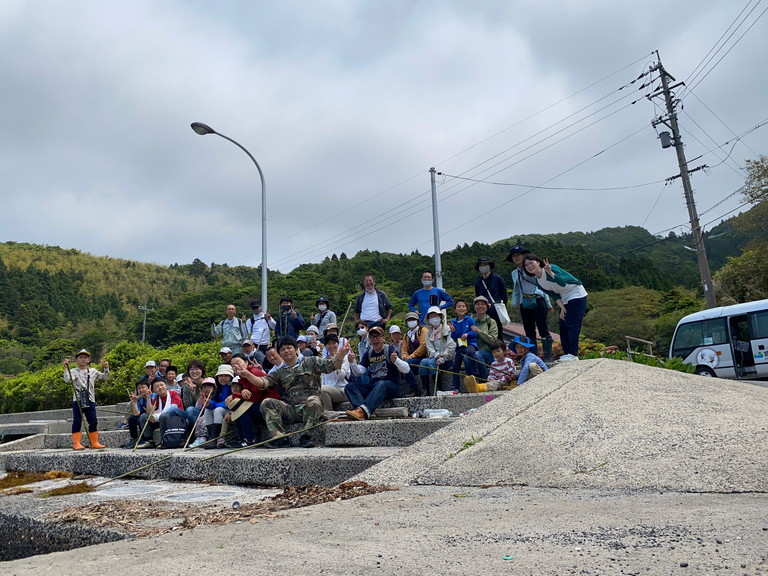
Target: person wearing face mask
[(413, 351), (534, 303), (325, 315), (290, 322), (312, 338), (428, 296), (258, 329), (440, 347), (492, 286), (363, 344)]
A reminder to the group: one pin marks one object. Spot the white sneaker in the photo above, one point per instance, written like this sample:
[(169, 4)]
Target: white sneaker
[(197, 442), (568, 358)]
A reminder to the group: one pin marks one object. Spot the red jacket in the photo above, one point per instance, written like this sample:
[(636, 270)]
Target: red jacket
[(175, 400), (257, 394)]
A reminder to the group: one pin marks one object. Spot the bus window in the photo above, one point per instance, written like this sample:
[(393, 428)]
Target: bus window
[(702, 333), (760, 324)]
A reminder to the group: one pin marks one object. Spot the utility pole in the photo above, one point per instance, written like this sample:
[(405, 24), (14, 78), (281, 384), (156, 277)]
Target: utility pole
[(436, 230), (677, 142), (144, 324)]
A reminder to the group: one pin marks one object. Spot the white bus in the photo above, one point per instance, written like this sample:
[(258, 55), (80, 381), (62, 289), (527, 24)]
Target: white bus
[(727, 342)]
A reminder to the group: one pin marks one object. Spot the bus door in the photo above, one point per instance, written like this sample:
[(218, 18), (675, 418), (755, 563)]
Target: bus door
[(758, 323), (741, 346)]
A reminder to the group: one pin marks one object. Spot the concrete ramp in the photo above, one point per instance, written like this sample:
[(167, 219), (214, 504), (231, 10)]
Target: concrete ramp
[(601, 424)]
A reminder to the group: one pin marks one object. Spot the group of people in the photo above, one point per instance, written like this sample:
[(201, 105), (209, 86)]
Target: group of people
[(279, 370)]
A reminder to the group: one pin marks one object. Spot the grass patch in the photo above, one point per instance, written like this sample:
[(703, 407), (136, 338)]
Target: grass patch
[(22, 477), (468, 444), (79, 488)]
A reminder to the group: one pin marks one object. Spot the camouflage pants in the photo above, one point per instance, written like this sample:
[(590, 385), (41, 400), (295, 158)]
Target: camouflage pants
[(277, 413)]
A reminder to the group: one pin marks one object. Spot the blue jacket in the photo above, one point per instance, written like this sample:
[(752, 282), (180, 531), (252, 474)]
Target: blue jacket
[(420, 301), (219, 395), (525, 363), (463, 328)]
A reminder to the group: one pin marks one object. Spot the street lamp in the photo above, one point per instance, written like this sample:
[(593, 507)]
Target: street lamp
[(204, 129)]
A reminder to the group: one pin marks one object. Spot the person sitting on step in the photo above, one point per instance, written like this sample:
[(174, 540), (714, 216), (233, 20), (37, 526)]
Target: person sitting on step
[(530, 364), (383, 366)]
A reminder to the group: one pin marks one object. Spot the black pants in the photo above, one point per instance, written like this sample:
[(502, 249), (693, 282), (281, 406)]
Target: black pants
[(535, 318), (90, 415)]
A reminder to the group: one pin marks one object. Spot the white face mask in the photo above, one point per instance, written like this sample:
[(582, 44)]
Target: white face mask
[(435, 321), (322, 307), (484, 269), (412, 323), (427, 282), (310, 337), (362, 332)]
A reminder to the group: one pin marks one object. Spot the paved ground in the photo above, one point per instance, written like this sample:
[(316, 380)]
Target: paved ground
[(596, 467), (452, 530)]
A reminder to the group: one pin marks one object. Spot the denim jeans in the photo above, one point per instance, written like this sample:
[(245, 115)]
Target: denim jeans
[(464, 355), (371, 395), (486, 357), (570, 328), (192, 414)]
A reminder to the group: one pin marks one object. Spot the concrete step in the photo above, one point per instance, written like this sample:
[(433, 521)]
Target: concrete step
[(260, 467), (18, 429), (108, 411), (391, 432)]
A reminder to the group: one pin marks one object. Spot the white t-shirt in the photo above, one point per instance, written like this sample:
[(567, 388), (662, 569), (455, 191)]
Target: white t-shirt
[(369, 311)]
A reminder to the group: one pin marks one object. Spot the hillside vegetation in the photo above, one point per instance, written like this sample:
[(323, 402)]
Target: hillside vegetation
[(57, 300)]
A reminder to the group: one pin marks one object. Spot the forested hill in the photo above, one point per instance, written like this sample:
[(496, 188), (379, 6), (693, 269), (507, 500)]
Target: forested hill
[(54, 298)]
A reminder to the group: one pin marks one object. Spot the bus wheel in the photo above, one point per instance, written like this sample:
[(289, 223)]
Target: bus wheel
[(704, 371)]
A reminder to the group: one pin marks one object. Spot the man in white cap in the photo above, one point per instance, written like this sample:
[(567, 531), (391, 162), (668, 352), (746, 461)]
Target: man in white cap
[(225, 354)]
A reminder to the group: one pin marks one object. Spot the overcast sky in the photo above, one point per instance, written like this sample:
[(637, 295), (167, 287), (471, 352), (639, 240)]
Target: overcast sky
[(346, 105)]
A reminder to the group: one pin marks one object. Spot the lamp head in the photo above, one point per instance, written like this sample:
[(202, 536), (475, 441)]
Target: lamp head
[(202, 129)]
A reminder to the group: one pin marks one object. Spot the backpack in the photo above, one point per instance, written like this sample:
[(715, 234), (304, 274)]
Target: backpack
[(173, 431)]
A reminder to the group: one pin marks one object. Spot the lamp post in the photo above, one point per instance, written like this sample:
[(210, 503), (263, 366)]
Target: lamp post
[(204, 129)]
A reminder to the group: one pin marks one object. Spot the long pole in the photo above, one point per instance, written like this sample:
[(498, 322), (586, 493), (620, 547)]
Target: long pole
[(203, 129), (264, 302), (698, 236), (436, 231)]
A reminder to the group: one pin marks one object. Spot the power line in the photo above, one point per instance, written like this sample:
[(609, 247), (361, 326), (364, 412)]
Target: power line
[(545, 182), (700, 80), (348, 235), (533, 186), (335, 217), (720, 119), (696, 70)]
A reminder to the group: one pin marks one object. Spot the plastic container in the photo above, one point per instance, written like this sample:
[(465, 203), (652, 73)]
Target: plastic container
[(437, 413)]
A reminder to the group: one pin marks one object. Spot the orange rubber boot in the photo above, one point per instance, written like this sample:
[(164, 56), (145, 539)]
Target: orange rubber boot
[(77, 438), (93, 438)]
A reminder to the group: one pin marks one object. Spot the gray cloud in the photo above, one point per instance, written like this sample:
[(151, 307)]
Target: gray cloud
[(340, 102)]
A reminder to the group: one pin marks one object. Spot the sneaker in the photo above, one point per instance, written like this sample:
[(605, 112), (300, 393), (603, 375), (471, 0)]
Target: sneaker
[(281, 442), (233, 442), (130, 444), (246, 443), (197, 442), (146, 444), (121, 426), (568, 358), (305, 441)]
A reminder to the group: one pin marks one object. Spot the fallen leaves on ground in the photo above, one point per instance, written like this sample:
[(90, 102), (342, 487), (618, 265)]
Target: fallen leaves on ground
[(150, 518)]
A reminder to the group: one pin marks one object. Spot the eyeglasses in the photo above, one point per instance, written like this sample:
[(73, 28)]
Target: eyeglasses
[(376, 335)]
